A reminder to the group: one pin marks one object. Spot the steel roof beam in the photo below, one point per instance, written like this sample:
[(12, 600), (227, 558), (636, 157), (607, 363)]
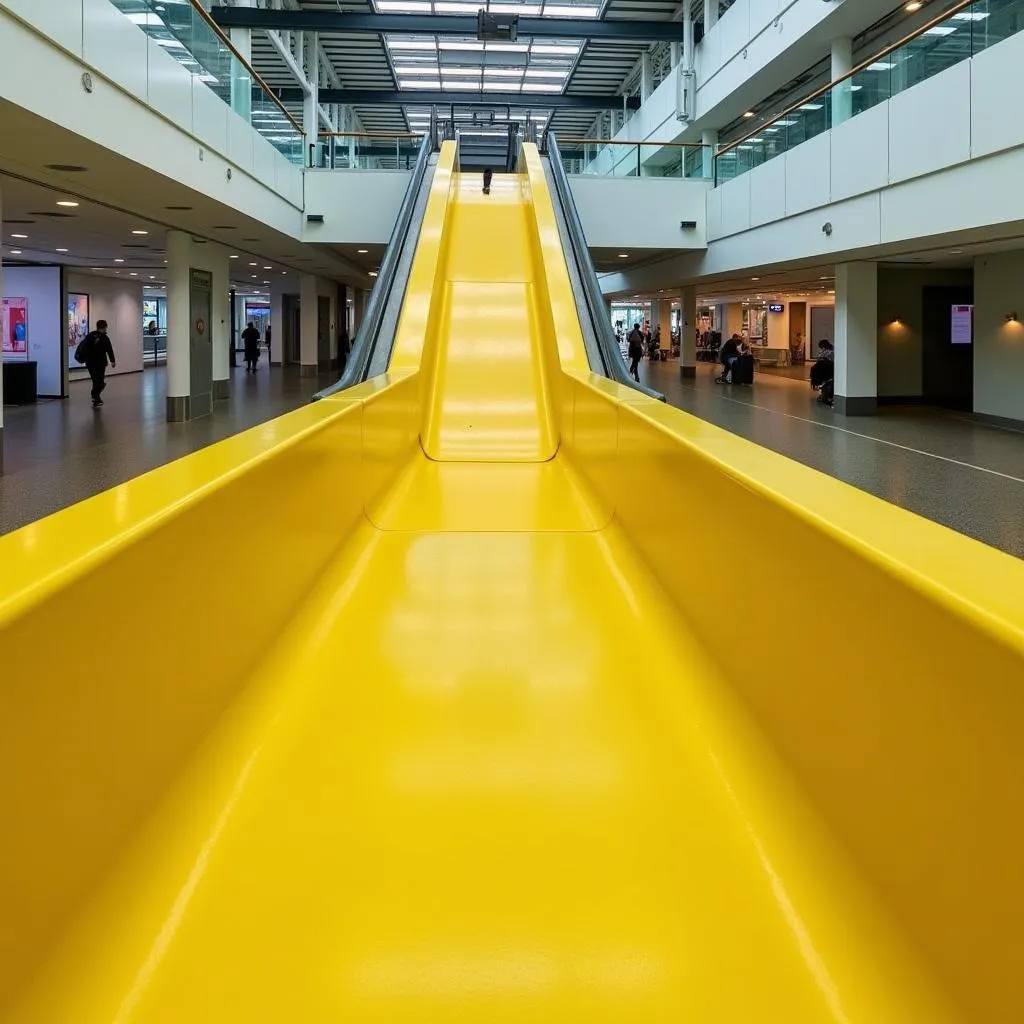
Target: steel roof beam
[(442, 25), (423, 97)]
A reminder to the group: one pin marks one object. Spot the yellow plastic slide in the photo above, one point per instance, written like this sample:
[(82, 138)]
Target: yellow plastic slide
[(406, 707)]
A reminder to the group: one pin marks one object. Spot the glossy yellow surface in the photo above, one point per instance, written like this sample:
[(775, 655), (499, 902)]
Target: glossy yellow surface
[(464, 739)]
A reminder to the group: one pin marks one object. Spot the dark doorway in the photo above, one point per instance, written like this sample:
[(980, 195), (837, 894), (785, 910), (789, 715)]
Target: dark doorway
[(290, 342), (947, 366), (823, 327), (797, 329)]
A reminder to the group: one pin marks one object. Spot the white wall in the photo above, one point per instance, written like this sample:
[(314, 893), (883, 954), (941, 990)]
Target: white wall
[(144, 105), (120, 304), (943, 123), (642, 213), (46, 326), (357, 206), (999, 345)]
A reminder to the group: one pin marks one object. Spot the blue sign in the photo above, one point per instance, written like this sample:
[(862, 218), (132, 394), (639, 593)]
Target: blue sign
[(776, 307)]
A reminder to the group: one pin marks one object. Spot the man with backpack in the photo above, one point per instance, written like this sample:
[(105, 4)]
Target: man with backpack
[(94, 350)]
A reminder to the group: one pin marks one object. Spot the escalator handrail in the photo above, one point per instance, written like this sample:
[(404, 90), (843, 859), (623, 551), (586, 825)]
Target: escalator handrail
[(357, 365), (614, 366)]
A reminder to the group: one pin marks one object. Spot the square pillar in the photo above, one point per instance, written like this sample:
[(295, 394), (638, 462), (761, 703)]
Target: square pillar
[(688, 333), (856, 340), (221, 324), (842, 95), (308, 326), (179, 325)]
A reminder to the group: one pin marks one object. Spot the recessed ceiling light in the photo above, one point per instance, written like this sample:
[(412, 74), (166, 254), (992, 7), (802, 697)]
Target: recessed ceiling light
[(755, 279), (232, 257), (66, 202), (139, 231), (373, 273), (253, 264), (955, 252), (15, 252), (133, 274), (268, 268), (362, 252), (749, 113), (18, 236), (61, 250), (914, 5), (623, 255), (152, 277), (284, 271), (253, 276), (117, 259)]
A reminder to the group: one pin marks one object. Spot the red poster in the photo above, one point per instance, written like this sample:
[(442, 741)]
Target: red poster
[(14, 325)]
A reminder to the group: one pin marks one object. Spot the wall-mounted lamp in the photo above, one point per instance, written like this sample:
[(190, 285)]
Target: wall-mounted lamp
[(1011, 318), (897, 321)]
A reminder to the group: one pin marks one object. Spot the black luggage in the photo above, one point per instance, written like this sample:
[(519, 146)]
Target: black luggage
[(743, 370)]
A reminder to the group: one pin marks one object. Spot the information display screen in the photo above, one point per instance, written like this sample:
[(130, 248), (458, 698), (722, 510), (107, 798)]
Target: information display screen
[(962, 327)]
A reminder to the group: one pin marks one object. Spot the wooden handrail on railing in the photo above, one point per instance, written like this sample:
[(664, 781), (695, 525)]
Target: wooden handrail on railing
[(370, 135), (862, 66), (615, 142), (254, 74)]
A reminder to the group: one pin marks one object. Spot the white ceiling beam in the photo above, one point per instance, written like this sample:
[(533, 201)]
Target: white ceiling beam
[(292, 64)]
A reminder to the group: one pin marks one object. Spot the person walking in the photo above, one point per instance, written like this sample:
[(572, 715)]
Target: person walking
[(95, 350), (636, 351), (251, 340)]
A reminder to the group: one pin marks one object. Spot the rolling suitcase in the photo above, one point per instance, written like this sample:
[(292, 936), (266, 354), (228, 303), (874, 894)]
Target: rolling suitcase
[(743, 370)]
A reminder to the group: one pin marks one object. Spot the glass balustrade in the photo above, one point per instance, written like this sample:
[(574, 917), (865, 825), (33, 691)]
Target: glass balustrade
[(368, 151), (607, 159), (185, 33), (962, 35)]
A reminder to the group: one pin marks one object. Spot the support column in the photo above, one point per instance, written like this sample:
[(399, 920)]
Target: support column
[(688, 333), (687, 45), (675, 54), (709, 140), (308, 347), (221, 324), (664, 322), (710, 14), (276, 323), (856, 340), (732, 319), (241, 83), (311, 102), (842, 95), (179, 327), (646, 77)]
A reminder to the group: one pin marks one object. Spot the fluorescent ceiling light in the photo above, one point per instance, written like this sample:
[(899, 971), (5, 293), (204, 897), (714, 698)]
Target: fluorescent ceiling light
[(144, 19), (206, 78), (879, 65), (940, 30), (784, 124), (971, 16), (170, 43), (811, 106), (571, 11)]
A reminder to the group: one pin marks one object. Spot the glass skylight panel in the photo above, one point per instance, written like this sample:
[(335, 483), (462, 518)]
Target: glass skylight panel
[(412, 44)]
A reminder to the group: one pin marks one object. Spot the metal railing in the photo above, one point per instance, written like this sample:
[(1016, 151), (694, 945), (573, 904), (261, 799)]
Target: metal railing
[(367, 151), (606, 158), (368, 335), (959, 33), (189, 35), (594, 307)]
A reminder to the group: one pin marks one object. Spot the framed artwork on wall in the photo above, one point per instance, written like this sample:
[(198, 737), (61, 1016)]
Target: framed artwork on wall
[(14, 327), (78, 324)]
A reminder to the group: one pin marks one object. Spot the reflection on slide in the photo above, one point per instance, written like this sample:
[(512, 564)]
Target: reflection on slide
[(484, 730)]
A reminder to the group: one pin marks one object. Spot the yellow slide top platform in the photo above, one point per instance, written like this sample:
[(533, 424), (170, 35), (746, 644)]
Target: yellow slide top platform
[(460, 738)]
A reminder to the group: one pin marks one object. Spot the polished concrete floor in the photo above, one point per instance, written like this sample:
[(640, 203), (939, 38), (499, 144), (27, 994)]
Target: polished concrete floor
[(58, 452), (942, 465), (966, 475)]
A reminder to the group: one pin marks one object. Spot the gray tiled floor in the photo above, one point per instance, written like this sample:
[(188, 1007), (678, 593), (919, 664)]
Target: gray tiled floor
[(946, 466), (59, 452)]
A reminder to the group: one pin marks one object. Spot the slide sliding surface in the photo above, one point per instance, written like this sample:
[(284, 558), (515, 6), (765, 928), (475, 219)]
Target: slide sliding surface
[(463, 736)]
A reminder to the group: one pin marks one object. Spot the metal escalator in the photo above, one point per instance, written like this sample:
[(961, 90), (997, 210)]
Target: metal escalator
[(602, 346), (375, 336)]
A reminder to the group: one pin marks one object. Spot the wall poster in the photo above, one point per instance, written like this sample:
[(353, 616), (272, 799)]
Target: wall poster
[(78, 324), (14, 326)]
